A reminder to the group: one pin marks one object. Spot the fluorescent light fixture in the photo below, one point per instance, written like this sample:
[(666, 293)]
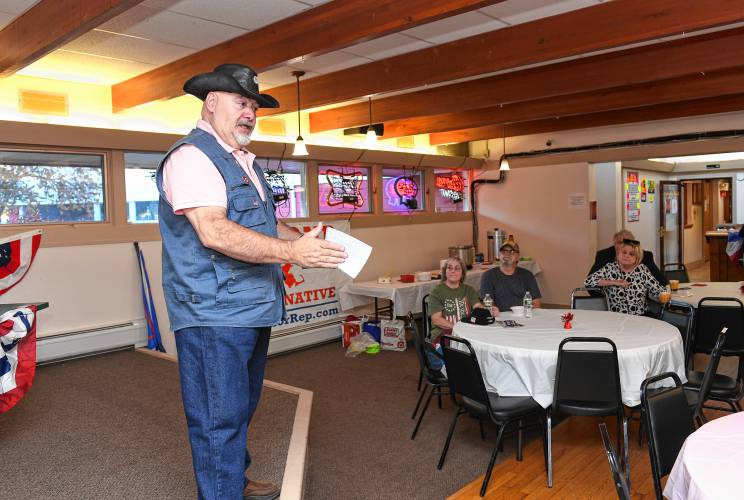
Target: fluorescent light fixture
[(701, 158)]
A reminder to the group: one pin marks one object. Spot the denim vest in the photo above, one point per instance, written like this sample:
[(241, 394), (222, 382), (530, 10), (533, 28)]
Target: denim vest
[(202, 286)]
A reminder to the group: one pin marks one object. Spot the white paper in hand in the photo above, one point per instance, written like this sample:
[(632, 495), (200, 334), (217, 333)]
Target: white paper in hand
[(358, 251)]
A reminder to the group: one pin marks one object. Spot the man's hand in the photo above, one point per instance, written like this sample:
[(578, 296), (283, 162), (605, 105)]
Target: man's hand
[(309, 251)]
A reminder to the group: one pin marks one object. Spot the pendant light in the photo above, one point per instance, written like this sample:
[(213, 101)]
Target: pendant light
[(371, 139), (299, 145), (504, 163)]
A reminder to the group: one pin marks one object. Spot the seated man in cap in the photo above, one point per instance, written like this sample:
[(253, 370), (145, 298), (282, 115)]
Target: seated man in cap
[(223, 286), (508, 283)]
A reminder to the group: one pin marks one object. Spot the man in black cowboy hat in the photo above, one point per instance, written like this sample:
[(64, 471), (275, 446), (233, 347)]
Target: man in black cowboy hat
[(222, 246)]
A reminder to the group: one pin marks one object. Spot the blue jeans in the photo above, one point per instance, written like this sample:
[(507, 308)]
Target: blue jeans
[(435, 362), (222, 371)]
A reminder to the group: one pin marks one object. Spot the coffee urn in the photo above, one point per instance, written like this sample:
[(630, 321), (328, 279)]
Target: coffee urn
[(495, 239), (466, 253)]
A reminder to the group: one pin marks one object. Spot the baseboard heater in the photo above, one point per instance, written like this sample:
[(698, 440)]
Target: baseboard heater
[(87, 342), (304, 336)]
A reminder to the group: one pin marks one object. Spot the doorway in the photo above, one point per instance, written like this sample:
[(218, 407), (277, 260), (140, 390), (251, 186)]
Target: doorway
[(706, 207)]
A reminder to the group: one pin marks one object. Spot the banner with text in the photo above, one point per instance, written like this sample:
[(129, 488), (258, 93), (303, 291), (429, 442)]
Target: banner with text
[(311, 293)]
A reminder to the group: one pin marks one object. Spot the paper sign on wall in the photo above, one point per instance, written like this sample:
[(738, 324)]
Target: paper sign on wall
[(632, 197), (577, 201)]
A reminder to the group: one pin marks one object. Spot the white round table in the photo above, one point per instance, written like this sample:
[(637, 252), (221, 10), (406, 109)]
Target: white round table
[(708, 466), (521, 361), (691, 293)]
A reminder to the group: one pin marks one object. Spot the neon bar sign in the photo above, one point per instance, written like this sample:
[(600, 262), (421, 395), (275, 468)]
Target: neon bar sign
[(450, 186)]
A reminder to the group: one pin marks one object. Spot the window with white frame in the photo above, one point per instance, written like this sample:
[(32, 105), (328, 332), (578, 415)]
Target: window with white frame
[(403, 190), (451, 190), (51, 187), (287, 180), (343, 189), (141, 191)]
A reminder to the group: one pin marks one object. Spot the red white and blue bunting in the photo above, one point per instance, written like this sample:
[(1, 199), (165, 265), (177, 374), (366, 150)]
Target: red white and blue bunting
[(16, 256)]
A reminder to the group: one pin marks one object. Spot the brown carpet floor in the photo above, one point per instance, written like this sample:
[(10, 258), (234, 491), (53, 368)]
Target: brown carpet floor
[(360, 445), (112, 426)]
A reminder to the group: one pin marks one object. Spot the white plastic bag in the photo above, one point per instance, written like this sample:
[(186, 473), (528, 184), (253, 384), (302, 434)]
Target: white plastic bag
[(359, 344), (393, 335)]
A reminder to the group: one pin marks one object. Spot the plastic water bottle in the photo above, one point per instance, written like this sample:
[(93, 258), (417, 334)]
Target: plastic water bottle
[(488, 302), (527, 303)]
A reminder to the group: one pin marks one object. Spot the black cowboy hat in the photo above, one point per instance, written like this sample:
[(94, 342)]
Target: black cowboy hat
[(234, 78)]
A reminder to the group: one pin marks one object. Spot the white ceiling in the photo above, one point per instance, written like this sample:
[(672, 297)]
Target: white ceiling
[(157, 32)]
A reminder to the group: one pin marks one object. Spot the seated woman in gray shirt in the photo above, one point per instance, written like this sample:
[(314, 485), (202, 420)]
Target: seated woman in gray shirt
[(508, 283)]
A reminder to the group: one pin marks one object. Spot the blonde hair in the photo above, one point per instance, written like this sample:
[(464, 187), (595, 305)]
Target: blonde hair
[(462, 266), (637, 248), (623, 234)]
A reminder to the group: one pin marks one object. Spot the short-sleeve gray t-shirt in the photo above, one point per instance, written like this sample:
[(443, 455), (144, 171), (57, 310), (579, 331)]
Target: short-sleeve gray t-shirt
[(508, 290)]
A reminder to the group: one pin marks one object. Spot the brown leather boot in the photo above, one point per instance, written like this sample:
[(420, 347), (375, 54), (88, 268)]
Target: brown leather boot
[(261, 490)]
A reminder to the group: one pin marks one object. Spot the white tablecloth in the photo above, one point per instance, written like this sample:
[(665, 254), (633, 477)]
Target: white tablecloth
[(407, 296), (693, 294), (521, 361), (708, 466)]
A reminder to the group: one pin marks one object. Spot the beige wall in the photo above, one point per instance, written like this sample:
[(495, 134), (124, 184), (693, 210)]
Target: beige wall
[(98, 285), (87, 287), (533, 205), (410, 248)]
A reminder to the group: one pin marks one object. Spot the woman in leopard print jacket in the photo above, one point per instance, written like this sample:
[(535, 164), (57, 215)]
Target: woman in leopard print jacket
[(627, 282)]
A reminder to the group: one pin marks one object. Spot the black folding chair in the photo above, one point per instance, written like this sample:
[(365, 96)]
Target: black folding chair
[(704, 391), (710, 317), (676, 271), (621, 486), (587, 383), (669, 422), (469, 390), (682, 316), (426, 322), (592, 299), (695, 395), (435, 379), (654, 308)]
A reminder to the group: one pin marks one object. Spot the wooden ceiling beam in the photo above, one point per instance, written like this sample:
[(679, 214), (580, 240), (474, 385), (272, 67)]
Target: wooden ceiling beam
[(665, 111), (700, 54), (686, 88), (50, 24), (604, 26), (328, 27)]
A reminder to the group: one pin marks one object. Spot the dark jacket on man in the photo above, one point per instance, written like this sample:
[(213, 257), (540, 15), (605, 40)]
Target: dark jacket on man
[(607, 255)]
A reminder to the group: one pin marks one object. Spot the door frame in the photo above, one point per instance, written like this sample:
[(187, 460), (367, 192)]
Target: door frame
[(680, 218)]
